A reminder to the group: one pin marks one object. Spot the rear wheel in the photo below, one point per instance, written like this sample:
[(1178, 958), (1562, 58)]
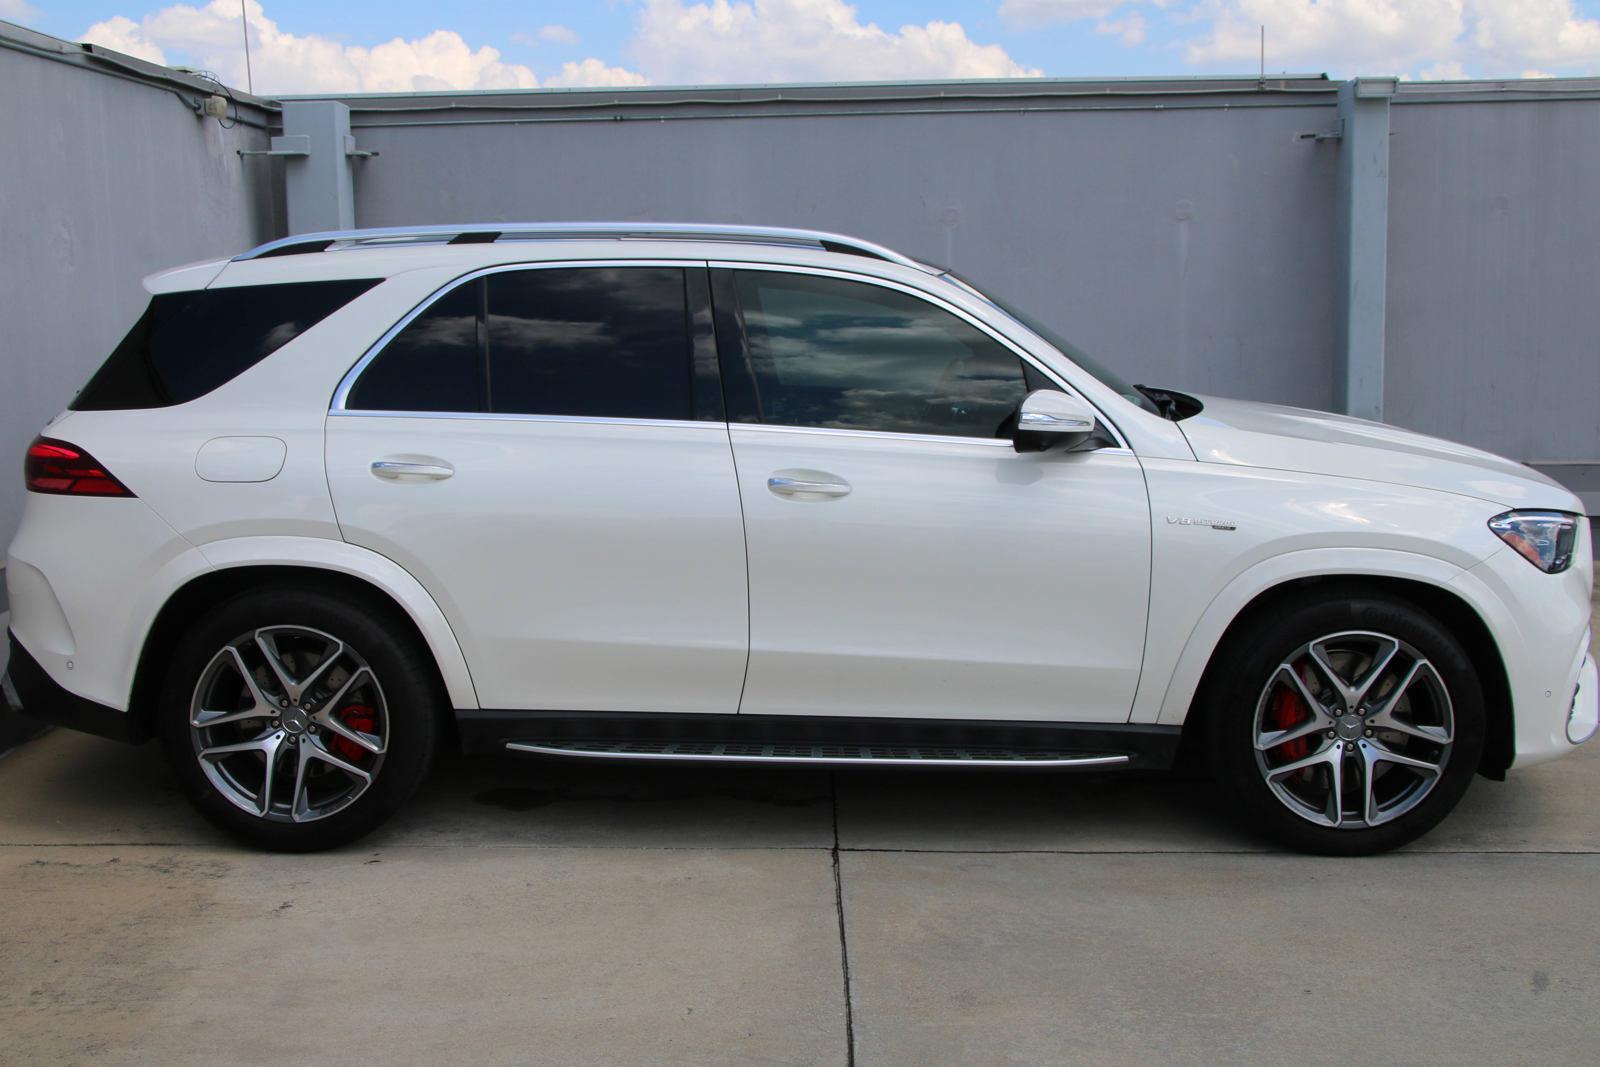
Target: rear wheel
[(296, 720), (1345, 727)]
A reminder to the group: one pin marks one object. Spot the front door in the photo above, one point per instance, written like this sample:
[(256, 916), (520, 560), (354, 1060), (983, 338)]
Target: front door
[(541, 450), (904, 559)]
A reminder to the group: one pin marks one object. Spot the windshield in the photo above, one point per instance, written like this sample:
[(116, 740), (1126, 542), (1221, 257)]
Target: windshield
[(1104, 374)]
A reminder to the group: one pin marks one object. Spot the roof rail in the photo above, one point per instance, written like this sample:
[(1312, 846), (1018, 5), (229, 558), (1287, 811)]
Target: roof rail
[(483, 233)]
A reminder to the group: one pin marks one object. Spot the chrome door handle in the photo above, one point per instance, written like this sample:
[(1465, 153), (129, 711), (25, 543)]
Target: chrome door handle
[(824, 486), (395, 470)]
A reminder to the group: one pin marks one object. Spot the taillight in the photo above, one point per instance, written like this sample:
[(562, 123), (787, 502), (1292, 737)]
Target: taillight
[(57, 467)]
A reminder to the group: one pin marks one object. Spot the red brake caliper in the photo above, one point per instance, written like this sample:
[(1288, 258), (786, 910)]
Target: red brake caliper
[(358, 717), (1286, 709)]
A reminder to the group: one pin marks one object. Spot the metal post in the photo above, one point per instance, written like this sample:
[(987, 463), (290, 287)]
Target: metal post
[(319, 186), (1363, 189)]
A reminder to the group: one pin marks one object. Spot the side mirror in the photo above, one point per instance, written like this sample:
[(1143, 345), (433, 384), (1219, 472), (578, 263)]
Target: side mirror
[(1049, 417)]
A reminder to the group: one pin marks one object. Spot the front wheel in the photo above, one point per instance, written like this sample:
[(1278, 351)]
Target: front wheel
[(1345, 727), (296, 720)]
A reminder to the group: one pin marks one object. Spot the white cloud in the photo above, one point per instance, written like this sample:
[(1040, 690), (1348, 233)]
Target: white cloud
[(1364, 36), (124, 35), (1450, 71), (802, 40), (1045, 12), (1130, 26), (1517, 33), (733, 41), (209, 37), (1130, 29), (18, 11), (1463, 37), (593, 72)]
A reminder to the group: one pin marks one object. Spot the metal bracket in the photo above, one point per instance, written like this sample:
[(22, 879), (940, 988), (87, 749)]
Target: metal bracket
[(299, 144), (1335, 134), (352, 151), (295, 144)]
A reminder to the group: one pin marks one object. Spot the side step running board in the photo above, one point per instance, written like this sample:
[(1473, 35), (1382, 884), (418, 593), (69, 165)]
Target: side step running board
[(748, 752)]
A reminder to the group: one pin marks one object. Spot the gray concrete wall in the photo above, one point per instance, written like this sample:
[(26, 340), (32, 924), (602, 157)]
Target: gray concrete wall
[(102, 181), (1494, 275), (1190, 241), (1191, 247)]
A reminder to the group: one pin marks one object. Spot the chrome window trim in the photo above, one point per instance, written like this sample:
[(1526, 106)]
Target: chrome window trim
[(341, 395), (889, 435), (697, 424), (893, 435), (944, 305), (347, 383), (508, 416)]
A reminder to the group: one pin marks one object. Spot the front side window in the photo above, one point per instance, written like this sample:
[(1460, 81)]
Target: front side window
[(827, 352), (606, 342)]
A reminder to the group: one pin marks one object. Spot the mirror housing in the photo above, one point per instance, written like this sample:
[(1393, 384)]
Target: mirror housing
[(1048, 416)]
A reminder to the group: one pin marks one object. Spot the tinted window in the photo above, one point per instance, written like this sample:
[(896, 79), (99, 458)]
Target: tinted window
[(187, 344), (591, 341), (834, 353), (607, 342), (431, 365)]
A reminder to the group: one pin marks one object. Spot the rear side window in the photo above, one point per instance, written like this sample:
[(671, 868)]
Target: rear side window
[(187, 344), (609, 342), (431, 365), (605, 342)]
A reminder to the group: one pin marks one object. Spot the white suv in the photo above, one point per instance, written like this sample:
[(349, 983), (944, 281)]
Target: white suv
[(726, 493)]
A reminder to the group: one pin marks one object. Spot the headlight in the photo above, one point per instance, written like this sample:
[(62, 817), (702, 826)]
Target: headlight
[(1545, 538)]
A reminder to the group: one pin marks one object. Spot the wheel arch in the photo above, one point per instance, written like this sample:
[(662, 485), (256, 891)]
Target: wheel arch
[(411, 608), (1448, 608)]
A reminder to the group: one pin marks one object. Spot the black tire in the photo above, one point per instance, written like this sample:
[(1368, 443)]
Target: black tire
[(1237, 690), (410, 693)]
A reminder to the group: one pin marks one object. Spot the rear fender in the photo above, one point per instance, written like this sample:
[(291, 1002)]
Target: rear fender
[(379, 571)]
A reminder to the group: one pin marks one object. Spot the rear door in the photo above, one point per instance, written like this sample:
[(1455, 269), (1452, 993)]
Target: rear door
[(544, 449), (905, 560)]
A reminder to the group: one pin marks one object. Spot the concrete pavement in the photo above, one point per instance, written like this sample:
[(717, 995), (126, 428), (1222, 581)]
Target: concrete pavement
[(1173, 958), (523, 912)]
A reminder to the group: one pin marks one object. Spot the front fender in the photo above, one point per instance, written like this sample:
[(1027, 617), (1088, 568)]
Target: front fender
[(1224, 534), (1169, 704)]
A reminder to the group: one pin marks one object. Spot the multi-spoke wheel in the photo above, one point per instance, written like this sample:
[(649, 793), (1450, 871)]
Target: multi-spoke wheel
[(1346, 727), (299, 720), (1353, 730), (289, 723)]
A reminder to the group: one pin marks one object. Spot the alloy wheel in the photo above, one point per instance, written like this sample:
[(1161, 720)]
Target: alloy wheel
[(289, 723), (1353, 730)]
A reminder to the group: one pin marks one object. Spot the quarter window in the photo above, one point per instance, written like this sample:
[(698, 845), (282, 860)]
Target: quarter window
[(828, 352), (609, 342), (187, 344)]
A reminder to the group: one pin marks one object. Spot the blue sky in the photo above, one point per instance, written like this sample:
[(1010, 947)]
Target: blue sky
[(300, 45)]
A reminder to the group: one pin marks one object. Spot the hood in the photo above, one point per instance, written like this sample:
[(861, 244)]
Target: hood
[(1316, 442)]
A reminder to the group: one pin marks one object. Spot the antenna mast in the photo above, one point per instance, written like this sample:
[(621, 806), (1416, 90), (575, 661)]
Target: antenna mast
[(244, 24)]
